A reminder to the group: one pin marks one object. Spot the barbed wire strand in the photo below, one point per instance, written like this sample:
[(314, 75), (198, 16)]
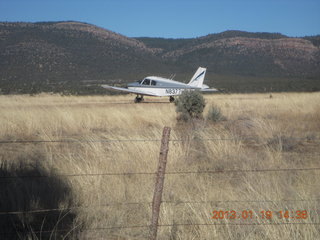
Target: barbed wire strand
[(79, 141), (238, 224), (141, 203), (243, 170), (79, 175), (241, 201), (199, 224), (168, 225), (151, 140), (167, 173)]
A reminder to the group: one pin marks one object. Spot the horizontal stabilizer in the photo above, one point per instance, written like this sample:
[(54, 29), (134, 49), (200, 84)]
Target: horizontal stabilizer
[(209, 90)]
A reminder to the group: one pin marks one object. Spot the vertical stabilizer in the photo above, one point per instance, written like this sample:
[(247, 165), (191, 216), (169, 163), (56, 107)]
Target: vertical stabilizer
[(198, 77)]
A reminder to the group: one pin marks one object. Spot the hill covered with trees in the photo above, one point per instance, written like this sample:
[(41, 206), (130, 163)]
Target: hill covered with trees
[(74, 57)]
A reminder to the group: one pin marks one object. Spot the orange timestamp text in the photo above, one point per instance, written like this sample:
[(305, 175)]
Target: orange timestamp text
[(264, 214)]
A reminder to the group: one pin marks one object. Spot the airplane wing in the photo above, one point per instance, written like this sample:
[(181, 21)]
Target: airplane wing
[(146, 93)]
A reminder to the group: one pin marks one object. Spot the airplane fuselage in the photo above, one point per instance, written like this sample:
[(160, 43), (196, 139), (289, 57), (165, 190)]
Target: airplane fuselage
[(160, 86)]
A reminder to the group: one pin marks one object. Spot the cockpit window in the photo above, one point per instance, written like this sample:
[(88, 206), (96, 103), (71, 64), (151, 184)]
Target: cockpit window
[(139, 81), (146, 82), (153, 83)]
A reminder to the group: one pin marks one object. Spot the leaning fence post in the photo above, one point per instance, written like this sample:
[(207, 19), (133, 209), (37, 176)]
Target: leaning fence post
[(157, 195)]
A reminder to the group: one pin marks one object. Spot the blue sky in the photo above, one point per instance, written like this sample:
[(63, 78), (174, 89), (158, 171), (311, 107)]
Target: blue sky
[(174, 18)]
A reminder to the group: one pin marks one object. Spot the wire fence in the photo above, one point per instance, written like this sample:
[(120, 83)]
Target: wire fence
[(240, 138), (199, 172)]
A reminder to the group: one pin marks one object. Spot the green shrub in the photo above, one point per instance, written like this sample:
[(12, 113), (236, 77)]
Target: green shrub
[(215, 114), (190, 105)]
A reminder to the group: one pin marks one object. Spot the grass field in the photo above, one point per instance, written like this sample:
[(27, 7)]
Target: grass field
[(259, 132)]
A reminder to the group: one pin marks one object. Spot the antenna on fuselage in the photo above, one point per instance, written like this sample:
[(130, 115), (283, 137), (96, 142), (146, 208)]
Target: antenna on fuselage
[(172, 76)]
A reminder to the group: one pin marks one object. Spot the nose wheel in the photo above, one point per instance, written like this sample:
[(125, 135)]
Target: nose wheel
[(171, 99), (138, 99)]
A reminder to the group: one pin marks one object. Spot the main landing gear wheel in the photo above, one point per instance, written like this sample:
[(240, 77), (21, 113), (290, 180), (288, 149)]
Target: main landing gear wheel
[(171, 99), (138, 99)]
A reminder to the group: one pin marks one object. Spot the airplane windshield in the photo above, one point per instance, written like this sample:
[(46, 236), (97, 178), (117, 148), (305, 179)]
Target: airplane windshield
[(139, 81), (146, 82)]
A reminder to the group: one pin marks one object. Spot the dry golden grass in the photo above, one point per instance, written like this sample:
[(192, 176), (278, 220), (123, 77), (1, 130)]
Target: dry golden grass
[(286, 133)]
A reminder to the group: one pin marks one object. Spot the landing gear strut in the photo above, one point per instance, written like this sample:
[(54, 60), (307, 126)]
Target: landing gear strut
[(138, 99), (171, 99)]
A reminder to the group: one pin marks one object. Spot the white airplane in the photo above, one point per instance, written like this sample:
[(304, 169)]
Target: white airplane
[(161, 87)]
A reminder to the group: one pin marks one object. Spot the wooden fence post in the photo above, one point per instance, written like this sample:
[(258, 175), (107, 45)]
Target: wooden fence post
[(157, 195)]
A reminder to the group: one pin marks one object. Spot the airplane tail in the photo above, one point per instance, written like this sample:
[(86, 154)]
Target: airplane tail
[(198, 77)]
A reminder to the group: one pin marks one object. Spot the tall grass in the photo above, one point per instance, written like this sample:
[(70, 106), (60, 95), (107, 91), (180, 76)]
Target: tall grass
[(280, 132)]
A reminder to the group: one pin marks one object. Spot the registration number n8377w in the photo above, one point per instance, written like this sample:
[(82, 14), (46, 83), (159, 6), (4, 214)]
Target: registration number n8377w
[(173, 91)]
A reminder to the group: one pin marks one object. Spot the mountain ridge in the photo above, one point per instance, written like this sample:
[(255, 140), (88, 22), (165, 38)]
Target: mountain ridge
[(60, 56)]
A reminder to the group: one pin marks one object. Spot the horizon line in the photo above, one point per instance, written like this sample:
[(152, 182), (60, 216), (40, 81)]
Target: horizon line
[(212, 33)]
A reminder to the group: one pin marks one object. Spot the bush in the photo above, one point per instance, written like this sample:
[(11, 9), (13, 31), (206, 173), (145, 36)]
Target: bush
[(190, 105), (215, 114)]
